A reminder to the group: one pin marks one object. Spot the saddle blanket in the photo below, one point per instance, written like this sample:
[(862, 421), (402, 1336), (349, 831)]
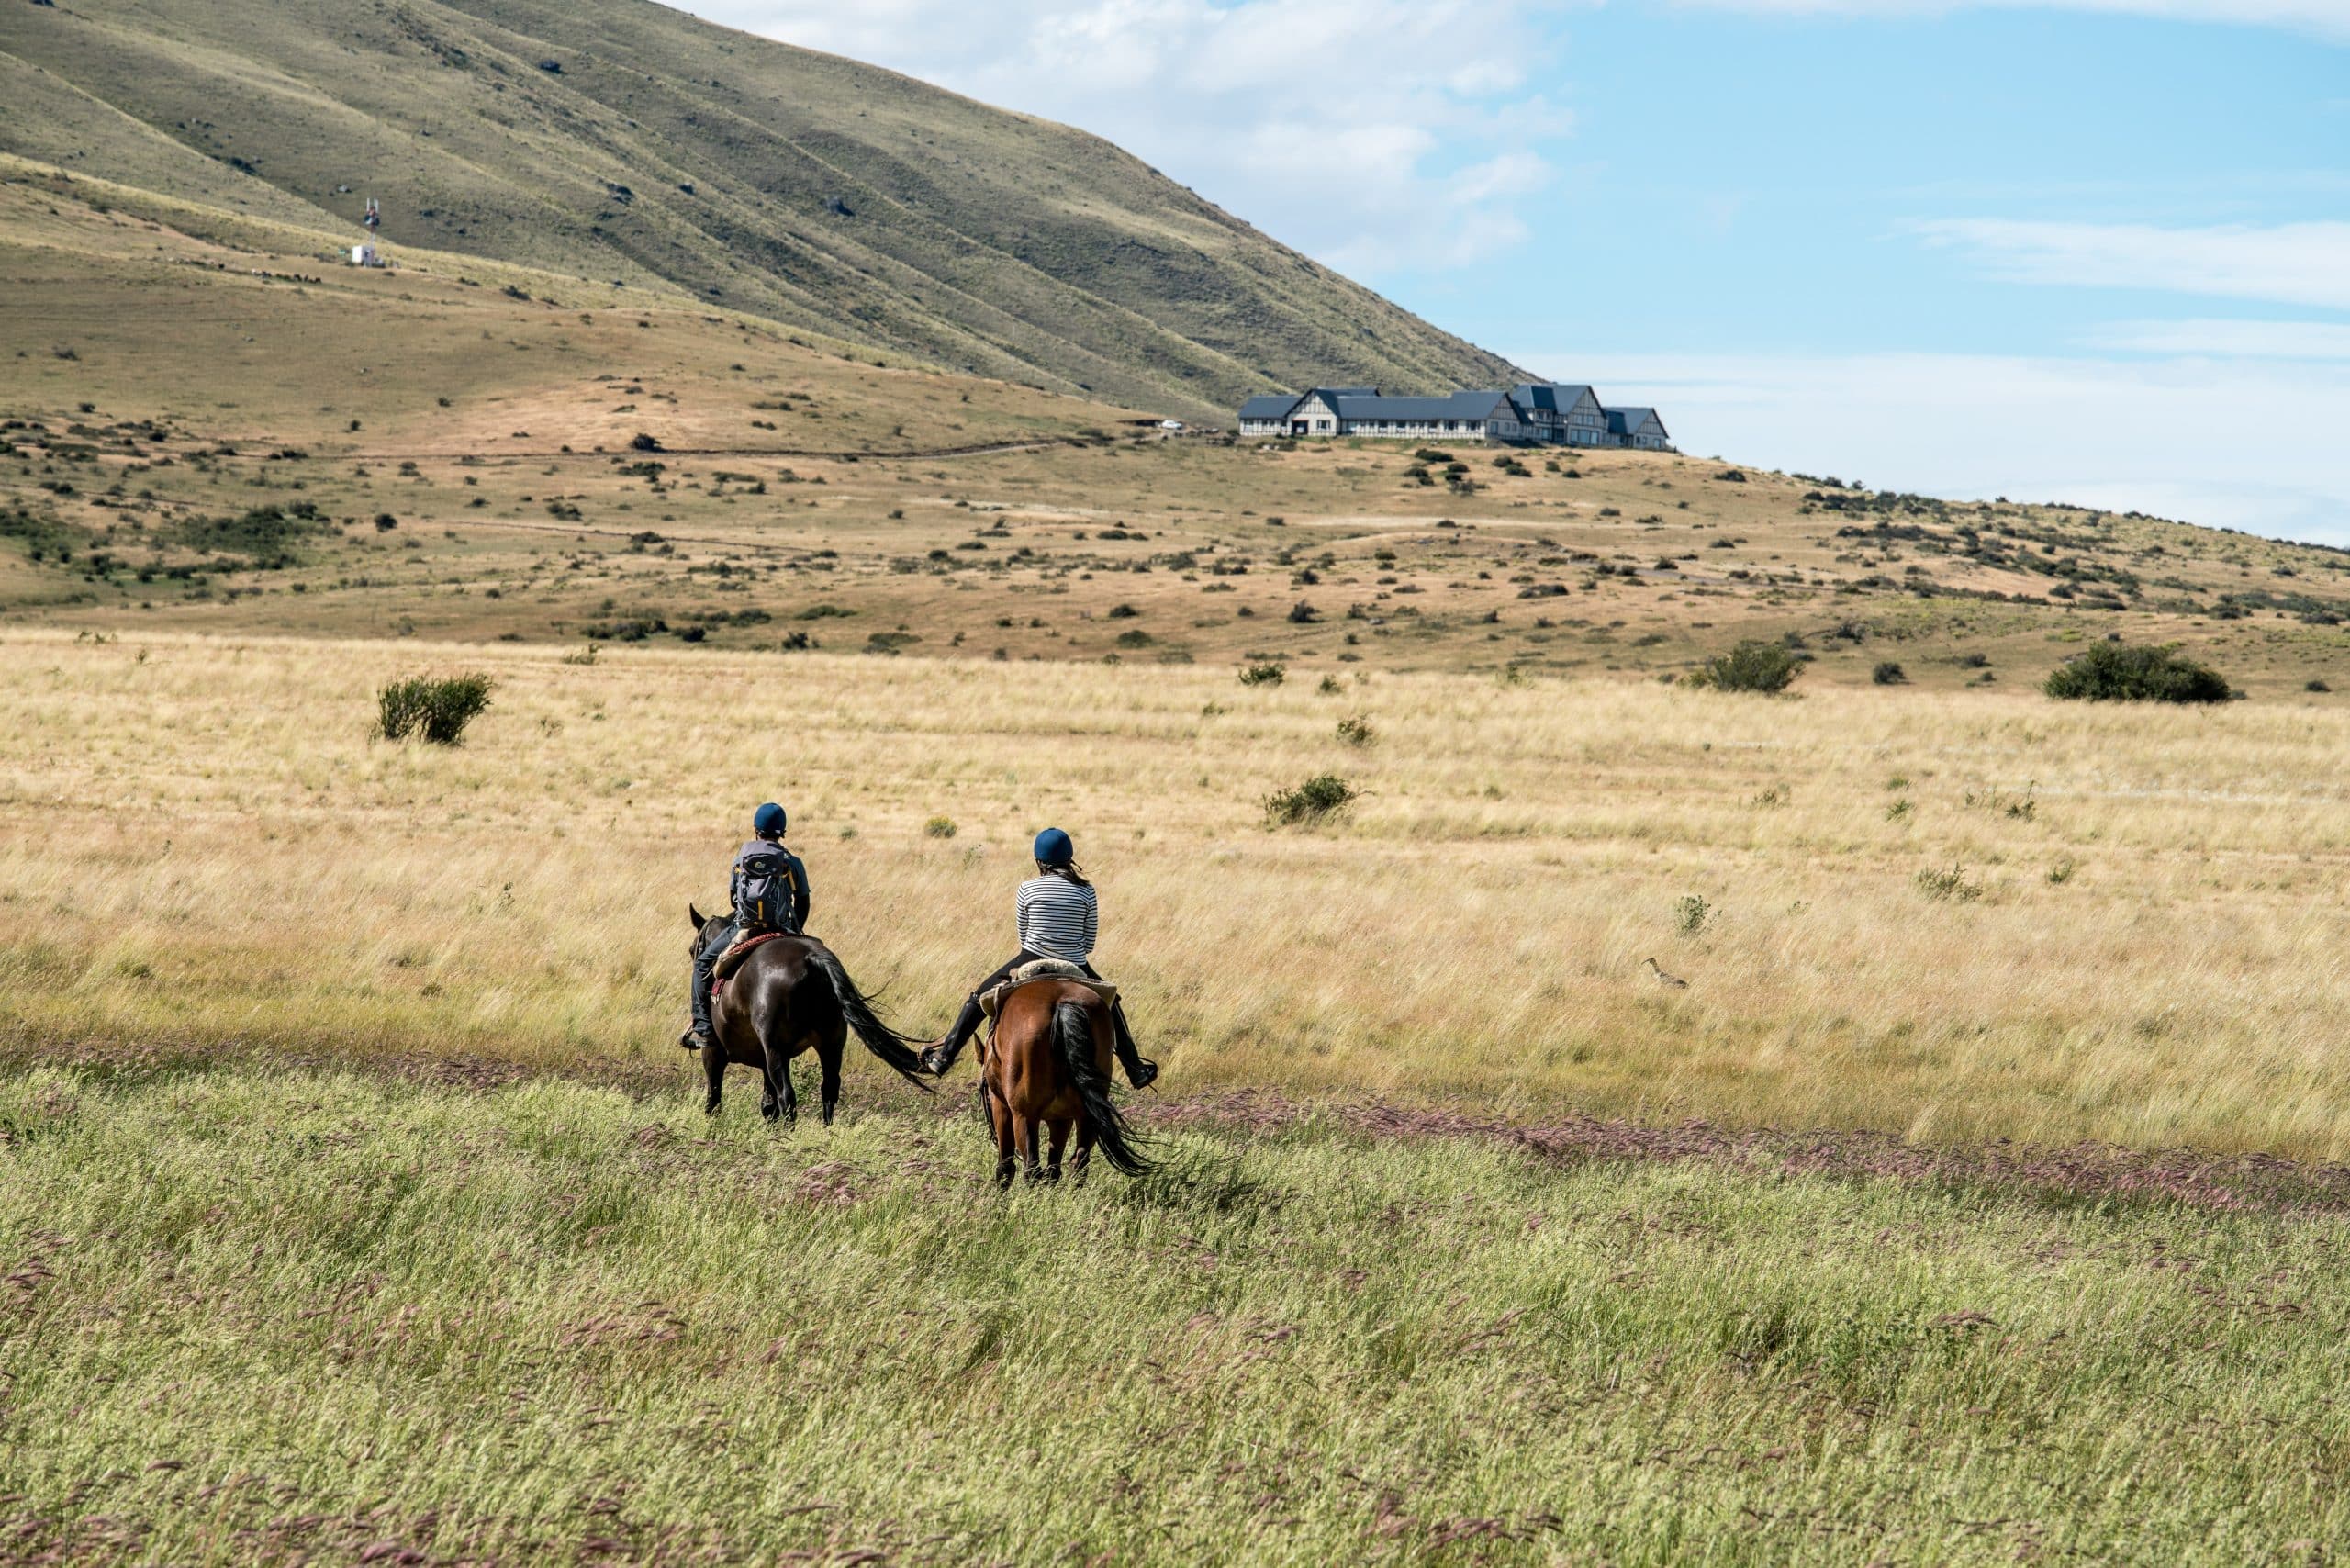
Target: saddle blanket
[(732, 960), (992, 998)]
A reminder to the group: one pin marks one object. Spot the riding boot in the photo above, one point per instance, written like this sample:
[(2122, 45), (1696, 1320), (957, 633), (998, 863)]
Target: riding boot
[(700, 1036), (940, 1057), (1141, 1071)]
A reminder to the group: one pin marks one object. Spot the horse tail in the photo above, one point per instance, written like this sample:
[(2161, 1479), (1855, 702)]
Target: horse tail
[(1119, 1142), (892, 1048)]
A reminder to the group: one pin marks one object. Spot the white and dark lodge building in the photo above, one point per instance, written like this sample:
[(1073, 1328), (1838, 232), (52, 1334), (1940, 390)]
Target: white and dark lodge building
[(1550, 413)]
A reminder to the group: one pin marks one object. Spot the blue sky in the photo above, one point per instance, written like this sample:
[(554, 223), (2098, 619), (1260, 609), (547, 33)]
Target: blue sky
[(2096, 253)]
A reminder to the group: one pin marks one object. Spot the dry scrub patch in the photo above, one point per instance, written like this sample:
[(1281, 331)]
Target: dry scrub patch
[(204, 850)]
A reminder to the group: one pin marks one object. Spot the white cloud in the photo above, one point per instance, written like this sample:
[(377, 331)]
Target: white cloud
[(1339, 125), (2292, 263), (2244, 444), (2229, 340), (2327, 18)]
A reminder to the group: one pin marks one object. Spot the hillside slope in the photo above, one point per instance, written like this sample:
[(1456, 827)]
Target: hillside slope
[(615, 139)]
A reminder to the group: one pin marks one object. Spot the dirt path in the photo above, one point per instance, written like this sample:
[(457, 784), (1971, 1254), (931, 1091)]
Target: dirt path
[(2087, 1172)]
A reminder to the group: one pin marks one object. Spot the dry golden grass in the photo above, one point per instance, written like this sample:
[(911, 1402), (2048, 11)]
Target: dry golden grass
[(204, 849)]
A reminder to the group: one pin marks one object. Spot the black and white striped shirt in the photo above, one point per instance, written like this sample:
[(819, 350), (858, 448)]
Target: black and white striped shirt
[(1057, 919)]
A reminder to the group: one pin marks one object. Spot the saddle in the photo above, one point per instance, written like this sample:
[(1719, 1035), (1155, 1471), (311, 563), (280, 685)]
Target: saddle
[(992, 999), (732, 960)]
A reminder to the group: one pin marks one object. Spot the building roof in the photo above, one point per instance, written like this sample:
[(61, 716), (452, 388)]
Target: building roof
[(1627, 422), (1415, 410), (1555, 397), (1269, 408)]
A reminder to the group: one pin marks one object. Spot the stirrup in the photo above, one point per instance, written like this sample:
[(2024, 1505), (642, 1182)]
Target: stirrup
[(697, 1039)]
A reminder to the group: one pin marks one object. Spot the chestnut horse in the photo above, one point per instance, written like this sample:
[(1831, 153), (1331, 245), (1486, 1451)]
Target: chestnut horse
[(1048, 1065), (788, 996)]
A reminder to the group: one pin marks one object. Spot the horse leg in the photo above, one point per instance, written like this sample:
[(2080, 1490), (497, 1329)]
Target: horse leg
[(713, 1064), (828, 1059), (779, 1072), (1000, 1117), (1084, 1160), (1057, 1141), (1030, 1165)]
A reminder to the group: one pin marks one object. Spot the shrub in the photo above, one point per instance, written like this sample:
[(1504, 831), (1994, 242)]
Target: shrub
[(1749, 666), (1941, 885), (1690, 914), (1262, 674), (1304, 614), (939, 827), (2115, 672), (2317, 685), (643, 442), (1123, 612), (431, 709), (1889, 674), (386, 523), (1311, 801), (1355, 730)]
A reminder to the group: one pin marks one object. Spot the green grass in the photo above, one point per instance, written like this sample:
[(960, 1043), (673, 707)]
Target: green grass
[(251, 1316)]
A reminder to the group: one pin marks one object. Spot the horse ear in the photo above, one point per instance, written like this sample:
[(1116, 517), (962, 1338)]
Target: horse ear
[(694, 915)]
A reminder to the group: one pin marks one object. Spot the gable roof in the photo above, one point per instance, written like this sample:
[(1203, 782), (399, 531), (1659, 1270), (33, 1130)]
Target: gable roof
[(1629, 421), (1552, 397), (1271, 407)]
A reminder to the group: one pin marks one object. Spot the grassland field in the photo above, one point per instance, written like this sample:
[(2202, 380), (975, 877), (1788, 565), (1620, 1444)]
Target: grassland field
[(1978, 1198)]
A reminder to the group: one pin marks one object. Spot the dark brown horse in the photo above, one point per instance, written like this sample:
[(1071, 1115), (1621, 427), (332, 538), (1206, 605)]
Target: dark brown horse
[(791, 995), (1047, 1066)]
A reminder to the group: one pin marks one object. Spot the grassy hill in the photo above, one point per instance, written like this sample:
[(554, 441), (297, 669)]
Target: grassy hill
[(622, 142), (810, 490)]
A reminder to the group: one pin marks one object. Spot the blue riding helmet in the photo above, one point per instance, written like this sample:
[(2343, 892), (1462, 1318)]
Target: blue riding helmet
[(1053, 849), (767, 818)]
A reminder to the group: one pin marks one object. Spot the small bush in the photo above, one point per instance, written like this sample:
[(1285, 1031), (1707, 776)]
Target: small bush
[(1355, 730), (2317, 685), (1312, 801), (643, 442), (939, 827), (1950, 885), (2062, 872), (1303, 614), (1749, 666), (1690, 915), (1889, 674), (2115, 672), (432, 710), (1264, 674)]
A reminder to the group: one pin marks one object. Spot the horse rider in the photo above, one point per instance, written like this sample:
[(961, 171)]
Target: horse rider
[(1057, 918), (767, 891)]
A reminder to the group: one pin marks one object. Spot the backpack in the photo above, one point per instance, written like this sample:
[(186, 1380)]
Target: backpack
[(767, 897)]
